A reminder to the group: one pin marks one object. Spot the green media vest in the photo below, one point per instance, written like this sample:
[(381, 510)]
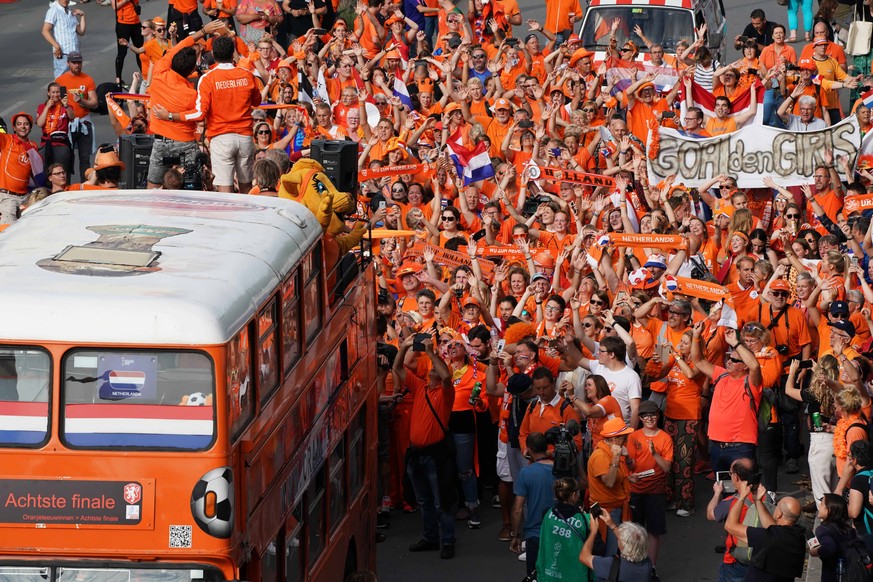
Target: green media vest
[(560, 544)]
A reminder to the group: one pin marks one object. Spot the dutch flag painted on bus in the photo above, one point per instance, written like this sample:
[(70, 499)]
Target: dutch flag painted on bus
[(23, 423), (138, 426)]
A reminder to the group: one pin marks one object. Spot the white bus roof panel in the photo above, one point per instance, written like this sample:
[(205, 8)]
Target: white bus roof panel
[(220, 257)]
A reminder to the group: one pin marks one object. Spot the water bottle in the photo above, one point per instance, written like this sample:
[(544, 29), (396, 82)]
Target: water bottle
[(841, 569)]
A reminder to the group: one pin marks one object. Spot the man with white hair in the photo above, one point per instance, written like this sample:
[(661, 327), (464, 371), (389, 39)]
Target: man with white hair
[(806, 121)]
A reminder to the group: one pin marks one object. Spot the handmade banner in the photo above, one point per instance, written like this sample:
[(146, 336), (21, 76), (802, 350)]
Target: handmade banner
[(451, 259), (858, 204), (388, 233), (370, 174), (750, 154), (116, 111), (561, 175)]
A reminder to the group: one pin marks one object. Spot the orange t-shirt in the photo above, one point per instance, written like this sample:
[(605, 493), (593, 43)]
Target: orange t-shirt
[(717, 127), (127, 13), (15, 169), (598, 466), (424, 429), (683, 395), (612, 409), (638, 450), (731, 418), (82, 84), (225, 97)]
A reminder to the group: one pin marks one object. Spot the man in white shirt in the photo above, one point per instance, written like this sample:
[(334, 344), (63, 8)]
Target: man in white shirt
[(806, 121), (61, 29), (623, 382)]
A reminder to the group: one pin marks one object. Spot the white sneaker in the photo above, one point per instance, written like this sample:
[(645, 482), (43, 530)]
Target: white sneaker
[(684, 513), (522, 557)]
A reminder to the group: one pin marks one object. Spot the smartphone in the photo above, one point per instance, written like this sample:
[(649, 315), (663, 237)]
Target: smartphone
[(63, 92), (725, 478), (668, 115), (319, 31), (478, 235), (525, 124), (418, 341), (806, 364), (382, 205), (595, 510), (501, 343), (813, 543), (753, 71)]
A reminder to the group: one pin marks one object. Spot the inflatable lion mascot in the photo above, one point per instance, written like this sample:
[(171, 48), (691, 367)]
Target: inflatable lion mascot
[(307, 183)]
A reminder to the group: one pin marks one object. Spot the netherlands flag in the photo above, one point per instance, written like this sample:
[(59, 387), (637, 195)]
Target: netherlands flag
[(867, 98), (138, 426), (400, 91), (473, 165), (127, 380), (706, 101), (23, 423)]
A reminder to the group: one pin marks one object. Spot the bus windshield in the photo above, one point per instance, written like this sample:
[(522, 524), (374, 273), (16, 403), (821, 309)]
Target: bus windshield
[(64, 574), (138, 399), (25, 385), (664, 25)]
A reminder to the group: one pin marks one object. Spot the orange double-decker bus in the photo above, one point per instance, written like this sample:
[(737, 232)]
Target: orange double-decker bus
[(182, 396)]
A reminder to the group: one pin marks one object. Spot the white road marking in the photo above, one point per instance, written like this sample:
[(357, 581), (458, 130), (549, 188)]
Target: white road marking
[(14, 108)]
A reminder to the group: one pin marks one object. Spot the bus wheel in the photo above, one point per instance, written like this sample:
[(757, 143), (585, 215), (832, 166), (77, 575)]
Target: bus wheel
[(351, 560)]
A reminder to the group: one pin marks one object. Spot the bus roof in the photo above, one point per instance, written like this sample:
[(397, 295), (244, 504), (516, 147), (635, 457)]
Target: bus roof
[(670, 3), (221, 255)]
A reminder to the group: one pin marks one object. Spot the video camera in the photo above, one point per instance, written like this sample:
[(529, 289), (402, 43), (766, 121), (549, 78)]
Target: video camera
[(561, 437)]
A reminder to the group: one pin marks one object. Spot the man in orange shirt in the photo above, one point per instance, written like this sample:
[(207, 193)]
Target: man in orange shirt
[(225, 97), (498, 126), (171, 89), (184, 14), (642, 107), (18, 163), (82, 94), (429, 462)]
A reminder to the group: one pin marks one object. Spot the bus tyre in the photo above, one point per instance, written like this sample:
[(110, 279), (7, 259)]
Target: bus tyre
[(212, 502)]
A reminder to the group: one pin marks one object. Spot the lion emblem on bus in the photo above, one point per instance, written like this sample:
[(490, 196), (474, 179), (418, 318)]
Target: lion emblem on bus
[(132, 493)]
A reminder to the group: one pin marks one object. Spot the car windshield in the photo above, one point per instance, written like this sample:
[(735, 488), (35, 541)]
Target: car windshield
[(138, 399), (664, 25)]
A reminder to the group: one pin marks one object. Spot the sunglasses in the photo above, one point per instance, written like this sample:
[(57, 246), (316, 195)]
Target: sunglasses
[(398, 190), (478, 56), (587, 325), (593, 302), (792, 216), (264, 132), (588, 110), (552, 308), (624, 50), (649, 415), (447, 218), (735, 360), (780, 293), (160, 29)]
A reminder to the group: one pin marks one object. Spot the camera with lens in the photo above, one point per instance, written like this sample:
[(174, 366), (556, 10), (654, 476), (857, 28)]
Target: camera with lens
[(791, 67), (192, 176), (782, 349), (531, 204), (561, 437), (385, 355)]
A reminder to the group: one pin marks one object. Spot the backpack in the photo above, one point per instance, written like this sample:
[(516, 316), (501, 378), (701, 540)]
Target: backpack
[(857, 560), (764, 411), (742, 551)]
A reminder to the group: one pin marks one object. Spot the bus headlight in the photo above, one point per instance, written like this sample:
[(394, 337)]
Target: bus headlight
[(212, 502)]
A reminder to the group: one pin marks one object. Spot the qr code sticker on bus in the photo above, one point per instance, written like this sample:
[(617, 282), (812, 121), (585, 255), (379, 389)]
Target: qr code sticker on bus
[(180, 536)]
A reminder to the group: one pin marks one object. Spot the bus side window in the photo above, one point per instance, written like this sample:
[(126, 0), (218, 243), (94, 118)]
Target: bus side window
[(313, 294), (338, 499), (268, 355), (294, 545), (239, 381), (357, 452), (291, 339)]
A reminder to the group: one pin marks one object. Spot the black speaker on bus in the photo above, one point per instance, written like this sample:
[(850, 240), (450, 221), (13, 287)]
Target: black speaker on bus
[(340, 161), (135, 150)]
